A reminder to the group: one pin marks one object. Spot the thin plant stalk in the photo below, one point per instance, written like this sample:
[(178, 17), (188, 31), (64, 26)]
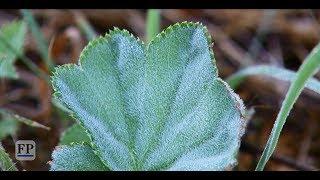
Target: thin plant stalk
[(85, 26), (153, 24), (306, 70), (23, 120), (40, 40)]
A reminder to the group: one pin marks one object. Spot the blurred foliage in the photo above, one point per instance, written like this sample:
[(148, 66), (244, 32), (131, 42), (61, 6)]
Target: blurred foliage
[(8, 126), (6, 163), (11, 35)]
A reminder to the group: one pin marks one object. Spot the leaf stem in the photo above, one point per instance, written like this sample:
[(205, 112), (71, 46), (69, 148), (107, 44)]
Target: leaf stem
[(306, 70), (153, 24)]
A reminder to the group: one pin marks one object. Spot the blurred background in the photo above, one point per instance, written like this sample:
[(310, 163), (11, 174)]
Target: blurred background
[(242, 38)]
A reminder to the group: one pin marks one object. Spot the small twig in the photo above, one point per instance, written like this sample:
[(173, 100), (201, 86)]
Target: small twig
[(229, 47), (249, 148), (307, 139), (24, 120), (255, 44)]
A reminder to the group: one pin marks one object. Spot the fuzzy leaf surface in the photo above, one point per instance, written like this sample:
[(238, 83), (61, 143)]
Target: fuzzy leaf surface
[(74, 134), (159, 106), (76, 158)]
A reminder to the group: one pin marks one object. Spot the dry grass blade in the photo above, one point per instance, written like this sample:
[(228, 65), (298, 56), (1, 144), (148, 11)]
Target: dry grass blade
[(24, 120)]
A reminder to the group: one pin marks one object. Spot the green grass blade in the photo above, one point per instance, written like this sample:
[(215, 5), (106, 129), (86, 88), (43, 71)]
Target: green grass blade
[(6, 163), (307, 69), (271, 71), (86, 28), (40, 40), (153, 23)]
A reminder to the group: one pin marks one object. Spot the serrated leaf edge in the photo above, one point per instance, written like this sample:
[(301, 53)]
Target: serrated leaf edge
[(126, 33), (67, 131), (239, 105), (186, 24), (72, 144), (83, 55)]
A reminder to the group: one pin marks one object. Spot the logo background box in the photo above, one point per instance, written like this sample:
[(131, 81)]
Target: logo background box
[(25, 150)]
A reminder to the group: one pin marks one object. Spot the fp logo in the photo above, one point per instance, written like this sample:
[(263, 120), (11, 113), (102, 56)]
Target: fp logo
[(25, 150)]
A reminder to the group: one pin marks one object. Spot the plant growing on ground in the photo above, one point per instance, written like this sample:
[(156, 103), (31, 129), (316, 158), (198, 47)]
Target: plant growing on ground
[(159, 106), (303, 78), (309, 67), (305, 72)]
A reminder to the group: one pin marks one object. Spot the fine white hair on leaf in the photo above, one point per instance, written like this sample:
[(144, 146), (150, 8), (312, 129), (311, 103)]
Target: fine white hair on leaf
[(159, 106)]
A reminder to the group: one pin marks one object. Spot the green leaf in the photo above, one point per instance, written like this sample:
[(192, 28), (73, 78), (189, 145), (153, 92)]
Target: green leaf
[(272, 71), (155, 107), (74, 134), (6, 163), (13, 34), (76, 158)]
